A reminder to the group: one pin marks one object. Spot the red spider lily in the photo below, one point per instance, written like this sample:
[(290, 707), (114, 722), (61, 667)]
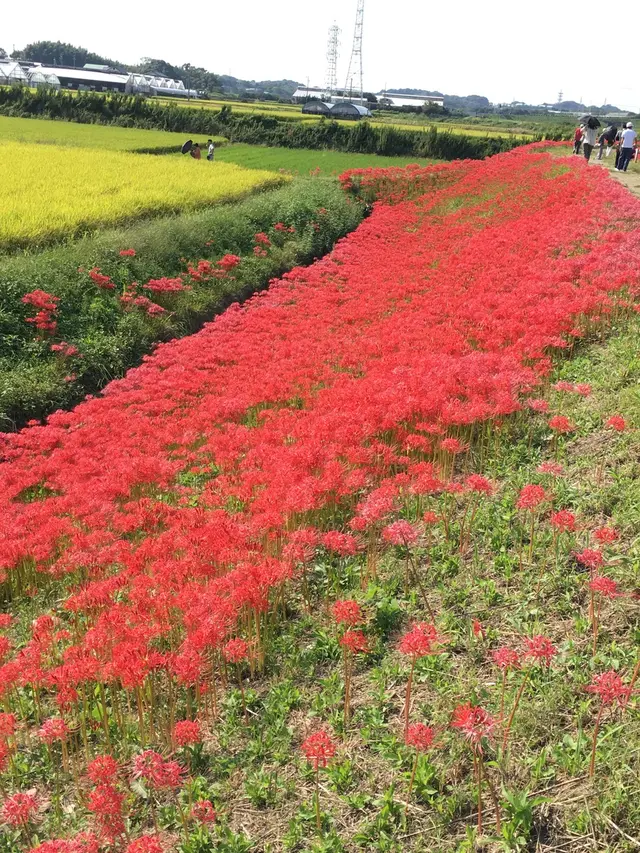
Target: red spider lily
[(52, 730), (541, 406), (145, 844), (423, 639), (158, 773), (590, 558), (6, 618), (400, 533), (106, 802), (610, 688), (606, 535), (561, 424), (353, 643), (186, 732), (318, 749), (563, 521), (420, 737), (203, 812), (506, 659), (102, 281), (617, 423), (531, 497), (477, 725), (480, 484), (478, 630), (235, 650), (19, 809), (127, 253), (165, 285), (347, 612), (538, 649), (85, 842), (229, 262), (603, 587), (553, 468), (103, 770), (47, 308), (430, 517), (343, 544)]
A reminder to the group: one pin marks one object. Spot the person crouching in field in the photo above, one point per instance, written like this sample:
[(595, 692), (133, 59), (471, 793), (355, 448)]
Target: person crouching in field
[(195, 152), (607, 138), (211, 150), (577, 140), (589, 140)]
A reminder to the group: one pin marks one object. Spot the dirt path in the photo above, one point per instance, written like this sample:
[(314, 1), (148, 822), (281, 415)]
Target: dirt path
[(630, 179)]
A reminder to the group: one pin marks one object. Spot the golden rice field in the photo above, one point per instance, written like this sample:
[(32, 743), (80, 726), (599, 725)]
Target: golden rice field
[(49, 191), (45, 131)]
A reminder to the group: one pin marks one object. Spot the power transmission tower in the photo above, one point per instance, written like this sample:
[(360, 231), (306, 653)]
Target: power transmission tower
[(332, 59), (560, 96), (355, 63)]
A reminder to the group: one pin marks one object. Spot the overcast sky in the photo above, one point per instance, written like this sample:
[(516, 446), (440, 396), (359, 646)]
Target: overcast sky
[(503, 49)]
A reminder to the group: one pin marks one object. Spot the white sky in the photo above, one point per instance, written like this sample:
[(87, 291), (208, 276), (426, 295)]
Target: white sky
[(503, 49)]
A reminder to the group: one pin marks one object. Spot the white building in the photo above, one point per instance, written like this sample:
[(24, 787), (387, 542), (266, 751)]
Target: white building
[(391, 100)]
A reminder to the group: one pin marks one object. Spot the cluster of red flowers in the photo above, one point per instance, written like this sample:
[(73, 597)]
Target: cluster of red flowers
[(430, 317), (46, 307)]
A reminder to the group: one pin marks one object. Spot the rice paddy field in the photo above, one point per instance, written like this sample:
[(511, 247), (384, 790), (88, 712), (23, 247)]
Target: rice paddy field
[(45, 131), (303, 161), (49, 192)]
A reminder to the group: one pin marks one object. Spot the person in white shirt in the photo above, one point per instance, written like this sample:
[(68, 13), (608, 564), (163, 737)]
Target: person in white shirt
[(628, 139), (211, 149), (588, 140)]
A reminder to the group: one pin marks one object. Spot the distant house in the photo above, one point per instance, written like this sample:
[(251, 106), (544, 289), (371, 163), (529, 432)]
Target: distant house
[(389, 100)]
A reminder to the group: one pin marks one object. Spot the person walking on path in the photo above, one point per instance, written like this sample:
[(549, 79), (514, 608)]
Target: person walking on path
[(607, 138), (589, 140), (577, 140), (211, 150), (628, 139), (195, 152)]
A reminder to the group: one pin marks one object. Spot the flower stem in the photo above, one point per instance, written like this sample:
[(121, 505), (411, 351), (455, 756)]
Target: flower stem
[(592, 763)]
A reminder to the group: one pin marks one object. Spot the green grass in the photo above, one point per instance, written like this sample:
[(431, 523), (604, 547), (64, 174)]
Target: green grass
[(303, 161), (47, 132)]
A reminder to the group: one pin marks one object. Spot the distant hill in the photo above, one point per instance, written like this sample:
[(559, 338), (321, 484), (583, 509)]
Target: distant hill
[(574, 106)]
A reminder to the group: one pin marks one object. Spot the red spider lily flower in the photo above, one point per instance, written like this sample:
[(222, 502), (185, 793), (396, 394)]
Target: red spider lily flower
[(105, 802), (186, 732), (480, 484), (607, 587), (584, 389), (475, 723), (145, 844), (127, 253), (430, 517), (453, 446), (347, 612), (235, 650), (355, 642), (541, 406), (609, 687), (7, 724), (229, 262), (19, 809), (541, 649), (158, 773), (318, 748), (590, 558), (103, 770), (531, 497), (561, 424), (423, 639), (420, 736), (553, 468), (4, 755), (478, 630), (53, 729), (563, 520), (343, 544), (563, 385), (400, 533), (85, 842), (202, 811), (6, 618), (102, 281), (606, 535), (506, 658), (617, 423)]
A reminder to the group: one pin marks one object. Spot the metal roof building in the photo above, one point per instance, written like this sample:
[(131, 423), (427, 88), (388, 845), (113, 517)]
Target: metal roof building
[(393, 101)]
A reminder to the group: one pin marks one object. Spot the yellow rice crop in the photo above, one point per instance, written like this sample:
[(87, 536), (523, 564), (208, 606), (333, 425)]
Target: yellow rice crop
[(49, 192)]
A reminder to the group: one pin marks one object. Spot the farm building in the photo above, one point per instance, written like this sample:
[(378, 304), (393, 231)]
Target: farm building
[(345, 109), (389, 100), (307, 93), (317, 108), (12, 72)]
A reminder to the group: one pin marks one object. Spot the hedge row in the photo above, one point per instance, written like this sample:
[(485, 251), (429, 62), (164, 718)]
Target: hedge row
[(34, 380), (135, 111)]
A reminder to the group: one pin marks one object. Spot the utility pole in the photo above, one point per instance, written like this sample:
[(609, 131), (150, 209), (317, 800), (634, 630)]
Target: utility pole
[(331, 81), (355, 63)]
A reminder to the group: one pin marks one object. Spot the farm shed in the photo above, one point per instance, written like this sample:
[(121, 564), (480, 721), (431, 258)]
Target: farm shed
[(85, 79), (389, 100), (347, 110), (317, 108)]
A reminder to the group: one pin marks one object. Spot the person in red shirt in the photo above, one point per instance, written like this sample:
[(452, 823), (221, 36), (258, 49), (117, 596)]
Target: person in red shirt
[(195, 152), (577, 140)]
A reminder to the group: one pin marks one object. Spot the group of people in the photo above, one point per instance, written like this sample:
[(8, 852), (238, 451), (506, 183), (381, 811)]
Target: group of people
[(196, 153), (624, 140)]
